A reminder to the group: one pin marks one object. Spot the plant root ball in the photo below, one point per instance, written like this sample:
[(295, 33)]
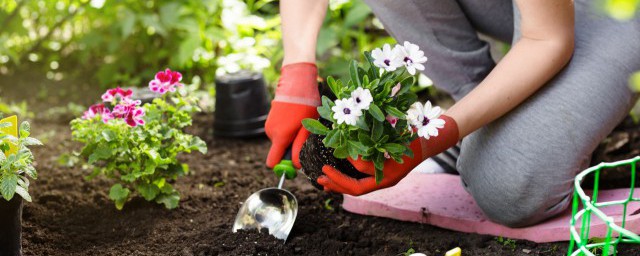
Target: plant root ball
[(314, 155)]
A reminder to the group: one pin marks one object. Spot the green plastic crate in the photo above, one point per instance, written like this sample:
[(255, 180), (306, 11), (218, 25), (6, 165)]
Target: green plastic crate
[(616, 234)]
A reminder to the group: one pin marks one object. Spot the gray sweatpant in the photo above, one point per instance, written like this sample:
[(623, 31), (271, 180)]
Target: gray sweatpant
[(520, 168)]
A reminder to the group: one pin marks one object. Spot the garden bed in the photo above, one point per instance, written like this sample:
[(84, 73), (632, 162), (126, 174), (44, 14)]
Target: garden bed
[(71, 216)]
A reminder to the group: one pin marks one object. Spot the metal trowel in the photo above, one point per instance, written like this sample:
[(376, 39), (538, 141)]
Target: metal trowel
[(272, 208)]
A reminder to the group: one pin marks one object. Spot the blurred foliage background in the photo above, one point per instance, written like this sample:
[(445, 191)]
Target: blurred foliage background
[(113, 42), (79, 47)]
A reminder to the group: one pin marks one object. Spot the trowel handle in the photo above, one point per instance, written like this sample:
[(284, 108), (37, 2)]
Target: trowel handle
[(285, 166)]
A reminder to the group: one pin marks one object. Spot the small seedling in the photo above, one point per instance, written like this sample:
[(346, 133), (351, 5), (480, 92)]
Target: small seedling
[(16, 159), (598, 250), (409, 251), (506, 242)]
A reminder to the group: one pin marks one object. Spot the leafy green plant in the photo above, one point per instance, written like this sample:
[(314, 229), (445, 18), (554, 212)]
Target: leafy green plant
[(598, 249), (16, 165), (374, 116), (506, 242), (139, 148)]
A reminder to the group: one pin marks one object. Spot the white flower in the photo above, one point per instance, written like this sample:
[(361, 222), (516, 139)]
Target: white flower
[(411, 56), (362, 98), (387, 58), (346, 111), (425, 119)]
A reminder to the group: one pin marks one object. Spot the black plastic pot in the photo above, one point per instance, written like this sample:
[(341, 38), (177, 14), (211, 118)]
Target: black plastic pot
[(242, 105), (11, 226)]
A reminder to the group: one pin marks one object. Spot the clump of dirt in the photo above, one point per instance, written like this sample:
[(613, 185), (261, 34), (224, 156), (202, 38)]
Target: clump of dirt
[(314, 155)]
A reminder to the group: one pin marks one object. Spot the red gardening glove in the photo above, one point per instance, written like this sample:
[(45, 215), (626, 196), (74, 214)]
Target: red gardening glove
[(336, 181), (296, 98)]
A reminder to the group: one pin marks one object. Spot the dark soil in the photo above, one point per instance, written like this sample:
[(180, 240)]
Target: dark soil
[(314, 155), (72, 216), (623, 143)]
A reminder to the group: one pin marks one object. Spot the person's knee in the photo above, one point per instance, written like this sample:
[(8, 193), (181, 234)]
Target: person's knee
[(513, 199), (509, 207)]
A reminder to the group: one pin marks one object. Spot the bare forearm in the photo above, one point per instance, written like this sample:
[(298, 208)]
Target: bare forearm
[(545, 47), (301, 22), (526, 68)]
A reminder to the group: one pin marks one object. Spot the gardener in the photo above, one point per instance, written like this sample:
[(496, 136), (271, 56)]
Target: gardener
[(529, 123)]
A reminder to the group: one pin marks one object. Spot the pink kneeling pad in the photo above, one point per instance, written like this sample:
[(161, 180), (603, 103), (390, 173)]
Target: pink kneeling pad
[(440, 200)]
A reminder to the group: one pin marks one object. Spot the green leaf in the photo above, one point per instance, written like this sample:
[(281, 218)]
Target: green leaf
[(394, 147), (377, 131), (341, 152), (119, 194), (108, 135), (365, 139), (314, 126), (170, 201), (325, 110), (362, 124), (23, 193), (376, 112), (358, 146), (31, 142), (353, 72), (198, 144), (332, 139), (148, 191), (25, 129), (8, 185), (102, 152), (394, 112), (378, 163), (353, 152), (333, 86), (406, 83), (374, 72)]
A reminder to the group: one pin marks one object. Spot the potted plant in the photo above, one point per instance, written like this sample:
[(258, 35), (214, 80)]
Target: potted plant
[(367, 116), (138, 145), (15, 170)]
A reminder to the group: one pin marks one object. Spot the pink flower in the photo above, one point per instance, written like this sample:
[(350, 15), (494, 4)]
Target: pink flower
[(392, 120), (120, 111), (130, 113), (98, 109), (395, 89), (113, 94), (106, 116), (386, 155), (134, 117), (165, 81)]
